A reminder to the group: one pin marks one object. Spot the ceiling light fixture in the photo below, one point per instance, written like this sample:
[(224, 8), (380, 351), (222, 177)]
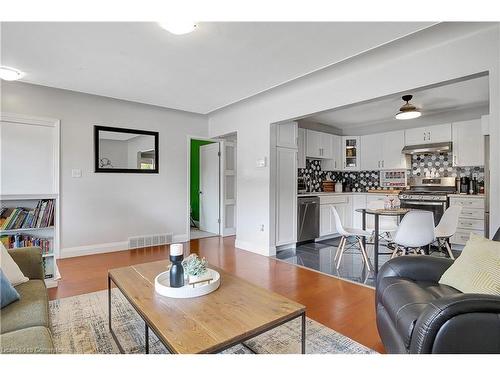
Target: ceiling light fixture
[(10, 74), (178, 27), (408, 111)]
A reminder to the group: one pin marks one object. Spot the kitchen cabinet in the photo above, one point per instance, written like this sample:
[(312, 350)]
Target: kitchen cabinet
[(468, 143), (342, 204), (301, 145), (358, 202), (471, 219), (350, 153), (428, 134), (382, 151), (371, 152), (287, 135), (392, 146), (334, 163), (286, 196), (318, 145)]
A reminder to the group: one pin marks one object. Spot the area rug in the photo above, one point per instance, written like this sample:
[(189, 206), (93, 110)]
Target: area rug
[(80, 326)]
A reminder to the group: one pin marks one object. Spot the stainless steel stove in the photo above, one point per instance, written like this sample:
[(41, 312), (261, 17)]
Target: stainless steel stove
[(430, 194)]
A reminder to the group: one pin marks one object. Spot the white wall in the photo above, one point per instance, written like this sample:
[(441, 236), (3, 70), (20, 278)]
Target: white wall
[(99, 211), (445, 52)]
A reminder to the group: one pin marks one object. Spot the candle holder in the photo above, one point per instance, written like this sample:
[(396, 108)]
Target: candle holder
[(176, 270)]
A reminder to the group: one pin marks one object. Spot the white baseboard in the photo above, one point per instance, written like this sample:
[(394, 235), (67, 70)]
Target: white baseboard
[(77, 251), (70, 252), (251, 247)]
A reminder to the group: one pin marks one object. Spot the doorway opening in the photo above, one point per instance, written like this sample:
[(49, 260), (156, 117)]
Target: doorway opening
[(204, 188), (212, 187)]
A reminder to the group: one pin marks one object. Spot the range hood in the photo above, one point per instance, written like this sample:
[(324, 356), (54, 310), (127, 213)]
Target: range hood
[(428, 148)]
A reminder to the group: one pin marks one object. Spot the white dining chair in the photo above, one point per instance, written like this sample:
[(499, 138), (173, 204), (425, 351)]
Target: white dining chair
[(447, 227), (387, 225), (346, 233), (415, 231)]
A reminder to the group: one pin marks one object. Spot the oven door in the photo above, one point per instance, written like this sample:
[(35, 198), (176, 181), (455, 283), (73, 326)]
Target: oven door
[(437, 208)]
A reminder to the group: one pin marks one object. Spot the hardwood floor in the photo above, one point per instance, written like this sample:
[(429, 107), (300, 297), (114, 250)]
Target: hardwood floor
[(343, 306)]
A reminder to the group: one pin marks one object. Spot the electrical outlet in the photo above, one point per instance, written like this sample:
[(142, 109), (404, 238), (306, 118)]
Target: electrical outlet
[(76, 173), (261, 228)]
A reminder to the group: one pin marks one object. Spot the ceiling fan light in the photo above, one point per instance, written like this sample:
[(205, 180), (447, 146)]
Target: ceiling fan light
[(178, 27), (10, 74), (408, 115), (408, 111)]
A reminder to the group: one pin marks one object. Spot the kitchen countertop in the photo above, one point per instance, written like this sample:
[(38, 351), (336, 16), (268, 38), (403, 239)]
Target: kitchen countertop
[(323, 193), (476, 196), (382, 192)]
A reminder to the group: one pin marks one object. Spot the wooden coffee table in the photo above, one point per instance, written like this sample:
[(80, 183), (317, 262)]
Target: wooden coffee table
[(234, 313)]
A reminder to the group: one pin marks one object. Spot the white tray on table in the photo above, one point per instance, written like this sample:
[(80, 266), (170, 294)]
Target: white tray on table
[(162, 286)]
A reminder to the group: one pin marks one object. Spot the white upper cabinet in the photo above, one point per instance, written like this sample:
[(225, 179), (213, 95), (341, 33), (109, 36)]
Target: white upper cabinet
[(287, 135), (350, 153), (428, 134), (334, 163), (318, 145), (468, 143), (383, 151), (392, 146), (371, 152), (301, 154)]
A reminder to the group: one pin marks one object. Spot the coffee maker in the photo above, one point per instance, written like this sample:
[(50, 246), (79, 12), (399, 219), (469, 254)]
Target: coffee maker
[(464, 185)]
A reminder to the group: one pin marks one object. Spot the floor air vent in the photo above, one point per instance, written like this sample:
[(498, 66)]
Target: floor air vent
[(151, 240)]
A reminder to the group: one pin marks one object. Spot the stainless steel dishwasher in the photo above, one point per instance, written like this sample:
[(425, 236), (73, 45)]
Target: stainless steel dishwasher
[(307, 218)]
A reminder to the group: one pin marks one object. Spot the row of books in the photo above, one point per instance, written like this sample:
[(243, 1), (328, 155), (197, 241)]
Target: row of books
[(41, 216), (16, 241)]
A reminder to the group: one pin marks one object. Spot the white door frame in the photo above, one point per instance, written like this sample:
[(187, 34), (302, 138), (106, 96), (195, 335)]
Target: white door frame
[(188, 187)]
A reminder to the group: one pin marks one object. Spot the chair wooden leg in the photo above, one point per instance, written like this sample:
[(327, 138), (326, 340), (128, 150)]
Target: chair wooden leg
[(337, 253), (341, 250), (365, 255), (395, 252), (447, 245)]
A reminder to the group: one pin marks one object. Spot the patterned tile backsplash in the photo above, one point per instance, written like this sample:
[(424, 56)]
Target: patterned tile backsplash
[(440, 165)]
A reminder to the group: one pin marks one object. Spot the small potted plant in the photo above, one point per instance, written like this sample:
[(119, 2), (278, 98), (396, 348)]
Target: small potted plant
[(196, 269)]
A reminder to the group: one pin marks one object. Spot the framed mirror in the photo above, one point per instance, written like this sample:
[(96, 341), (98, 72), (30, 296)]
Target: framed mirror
[(118, 150)]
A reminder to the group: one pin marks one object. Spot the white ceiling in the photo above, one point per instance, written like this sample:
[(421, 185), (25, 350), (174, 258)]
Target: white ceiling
[(218, 64), (448, 98)]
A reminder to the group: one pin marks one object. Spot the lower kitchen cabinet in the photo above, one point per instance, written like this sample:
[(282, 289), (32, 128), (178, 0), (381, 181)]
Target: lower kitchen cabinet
[(343, 205), (471, 219)]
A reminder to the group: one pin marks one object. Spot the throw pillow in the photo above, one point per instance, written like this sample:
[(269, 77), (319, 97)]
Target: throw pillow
[(7, 292), (477, 269), (10, 268)]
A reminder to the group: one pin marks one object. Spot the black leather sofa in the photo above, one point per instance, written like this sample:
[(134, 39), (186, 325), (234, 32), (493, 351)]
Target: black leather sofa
[(417, 315)]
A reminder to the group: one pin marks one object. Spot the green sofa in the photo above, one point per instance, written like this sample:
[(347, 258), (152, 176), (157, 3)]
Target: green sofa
[(24, 324)]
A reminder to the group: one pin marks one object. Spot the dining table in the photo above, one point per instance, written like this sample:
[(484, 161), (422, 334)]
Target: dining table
[(398, 212)]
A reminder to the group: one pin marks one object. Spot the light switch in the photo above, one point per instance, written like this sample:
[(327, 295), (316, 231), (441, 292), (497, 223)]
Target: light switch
[(76, 173), (261, 163)]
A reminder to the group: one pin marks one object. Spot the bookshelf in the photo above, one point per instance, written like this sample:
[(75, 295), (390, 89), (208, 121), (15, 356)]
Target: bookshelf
[(31, 176), (50, 233)]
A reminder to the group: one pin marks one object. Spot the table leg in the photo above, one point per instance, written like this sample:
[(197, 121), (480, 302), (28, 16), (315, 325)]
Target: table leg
[(375, 245), (146, 338), (109, 303), (303, 343), (363, 225)]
